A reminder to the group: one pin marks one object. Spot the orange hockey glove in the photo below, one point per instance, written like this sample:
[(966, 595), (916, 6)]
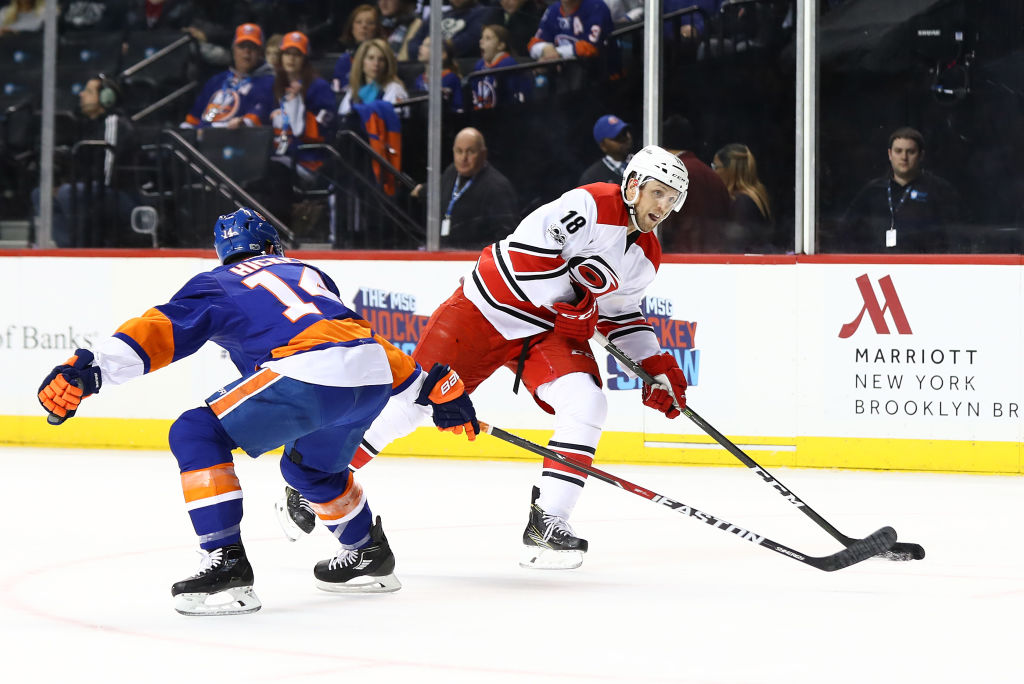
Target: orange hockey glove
[(453, 411)]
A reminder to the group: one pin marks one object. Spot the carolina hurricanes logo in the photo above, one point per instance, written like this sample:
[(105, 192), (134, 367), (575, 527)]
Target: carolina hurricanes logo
[(593, 272), (222, 106)]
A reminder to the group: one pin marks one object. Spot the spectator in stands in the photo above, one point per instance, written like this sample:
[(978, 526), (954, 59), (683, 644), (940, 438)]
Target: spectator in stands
[(520, 18), (614, 138), (700, 225), (451, 78), (574, 28), (304, 115), (362, 25), (480, 204), (22, 16), (99, 198), (273, 51), (241, 96), (400, 23), (305, 110), (908, 210), (751, 226), (107, 16), (210, 26), (461, 23), (499, 89), (157, 15), (374, 76)]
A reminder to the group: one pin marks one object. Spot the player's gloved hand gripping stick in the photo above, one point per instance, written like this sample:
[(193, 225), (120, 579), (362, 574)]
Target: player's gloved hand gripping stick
[(577, 320), (900, 551), (67, 384), (453, 411)]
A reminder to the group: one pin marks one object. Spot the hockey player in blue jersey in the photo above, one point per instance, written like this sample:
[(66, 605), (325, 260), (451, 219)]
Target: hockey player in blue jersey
[(314, 376)]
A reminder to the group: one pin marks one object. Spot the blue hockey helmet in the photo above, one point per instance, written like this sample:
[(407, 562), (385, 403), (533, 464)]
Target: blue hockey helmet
[(245, 231)]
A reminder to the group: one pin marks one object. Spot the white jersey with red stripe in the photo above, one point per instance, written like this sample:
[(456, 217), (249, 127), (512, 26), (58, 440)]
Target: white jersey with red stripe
[(582, 237)]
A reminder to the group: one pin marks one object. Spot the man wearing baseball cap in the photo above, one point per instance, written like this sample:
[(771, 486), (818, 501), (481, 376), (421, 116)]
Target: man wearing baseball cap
[(612, 135), (241, 96)]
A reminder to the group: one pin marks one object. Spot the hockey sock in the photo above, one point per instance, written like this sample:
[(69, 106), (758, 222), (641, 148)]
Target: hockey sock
[(560, 487), (213, 496), (580, 410), (336, 498)]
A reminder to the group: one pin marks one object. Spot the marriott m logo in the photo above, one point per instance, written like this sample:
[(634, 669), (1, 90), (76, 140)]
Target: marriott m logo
[(876, 312)]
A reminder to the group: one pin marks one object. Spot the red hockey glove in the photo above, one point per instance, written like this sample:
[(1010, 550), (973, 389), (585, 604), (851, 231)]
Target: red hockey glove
[(577, 320), (66, 385), (671, 385), (453, 411)]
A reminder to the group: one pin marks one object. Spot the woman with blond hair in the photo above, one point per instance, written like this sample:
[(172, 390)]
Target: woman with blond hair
[(750, 208), (374, 76), (22, 15)]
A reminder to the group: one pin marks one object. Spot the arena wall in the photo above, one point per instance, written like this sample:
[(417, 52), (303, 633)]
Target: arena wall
[(909, 363)]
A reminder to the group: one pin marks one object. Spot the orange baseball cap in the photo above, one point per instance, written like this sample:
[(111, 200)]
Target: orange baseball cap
[(297, 40), (249, 33)]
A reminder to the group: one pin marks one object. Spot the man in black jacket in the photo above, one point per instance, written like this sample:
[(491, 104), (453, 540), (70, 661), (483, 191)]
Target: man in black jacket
[(907, 211), (478, 204), (93, 208)]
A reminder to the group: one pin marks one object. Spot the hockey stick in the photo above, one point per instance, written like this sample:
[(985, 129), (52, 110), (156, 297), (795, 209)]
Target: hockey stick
[(900, 551), (860, 549)]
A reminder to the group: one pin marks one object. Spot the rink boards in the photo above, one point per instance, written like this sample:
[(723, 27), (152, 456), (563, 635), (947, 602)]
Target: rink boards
[(907, 363)]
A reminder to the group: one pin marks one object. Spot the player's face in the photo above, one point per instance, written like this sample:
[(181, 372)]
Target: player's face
[(374, 64), (905, 157), (654, 203), (364, 26), (489, 45), (246, 56)]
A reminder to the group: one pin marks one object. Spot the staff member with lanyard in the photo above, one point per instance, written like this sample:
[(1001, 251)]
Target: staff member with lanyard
[(481, 206), (907, 211)]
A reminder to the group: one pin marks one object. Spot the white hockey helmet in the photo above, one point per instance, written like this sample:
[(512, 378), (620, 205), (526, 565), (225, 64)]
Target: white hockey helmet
[(661, 165)]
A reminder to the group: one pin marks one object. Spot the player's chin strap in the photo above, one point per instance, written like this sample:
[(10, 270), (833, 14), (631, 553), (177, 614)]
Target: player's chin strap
[(900, 551)]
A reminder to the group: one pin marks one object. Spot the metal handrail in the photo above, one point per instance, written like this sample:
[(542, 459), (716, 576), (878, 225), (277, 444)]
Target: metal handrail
[(164, 101), (632, 28), (200, 162), (158, 55), (388, 166)]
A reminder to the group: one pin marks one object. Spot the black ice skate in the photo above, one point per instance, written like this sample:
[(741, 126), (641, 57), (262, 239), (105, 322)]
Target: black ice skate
[(223, 585), (366, 570), (551, 543), (295, 514)]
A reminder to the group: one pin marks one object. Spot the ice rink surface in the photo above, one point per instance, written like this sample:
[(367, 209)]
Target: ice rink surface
[(94, 539)]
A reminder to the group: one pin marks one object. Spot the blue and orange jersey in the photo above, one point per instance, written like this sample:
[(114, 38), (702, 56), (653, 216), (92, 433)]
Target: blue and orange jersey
[(226, 96), (265, 311), (451, 86), (586, 30), (309, 120), (491, 91)]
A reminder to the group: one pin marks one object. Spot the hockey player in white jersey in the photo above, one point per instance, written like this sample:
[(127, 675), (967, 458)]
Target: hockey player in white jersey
[(531, 304)]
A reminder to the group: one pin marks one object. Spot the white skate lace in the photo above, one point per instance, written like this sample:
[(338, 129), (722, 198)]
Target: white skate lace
[(343, 558), (553, 525), (209, 560)]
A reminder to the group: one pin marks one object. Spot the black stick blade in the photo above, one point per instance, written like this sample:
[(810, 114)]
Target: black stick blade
[(862, 549), (903, 551)]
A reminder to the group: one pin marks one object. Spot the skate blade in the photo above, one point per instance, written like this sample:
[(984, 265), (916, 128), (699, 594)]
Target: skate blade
[(288, 526), (362, 585), (539, 558), (235, 601)]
